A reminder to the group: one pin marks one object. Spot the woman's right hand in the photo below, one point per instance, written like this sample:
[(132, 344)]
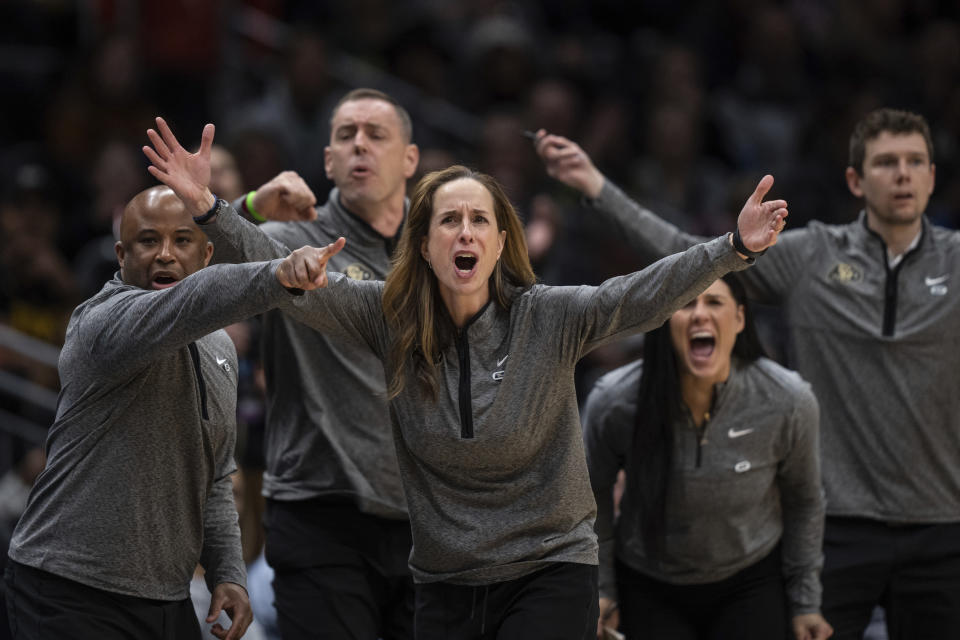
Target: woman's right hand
[(306, 268)]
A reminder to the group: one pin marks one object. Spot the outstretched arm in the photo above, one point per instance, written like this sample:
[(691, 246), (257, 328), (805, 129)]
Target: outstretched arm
[(654, 238), (566, 161), (306, 268)]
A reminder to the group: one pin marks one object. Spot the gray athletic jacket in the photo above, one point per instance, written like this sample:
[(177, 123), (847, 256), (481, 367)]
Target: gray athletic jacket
[(494, 469), (137, 489), (879, 346), (328, 427), (748, 481)]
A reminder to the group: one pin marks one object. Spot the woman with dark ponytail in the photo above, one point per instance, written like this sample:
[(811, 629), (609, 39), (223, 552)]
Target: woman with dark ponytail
[(721, 519)]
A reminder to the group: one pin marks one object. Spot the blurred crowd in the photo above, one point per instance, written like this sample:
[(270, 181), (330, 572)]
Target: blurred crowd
[(683, 104)]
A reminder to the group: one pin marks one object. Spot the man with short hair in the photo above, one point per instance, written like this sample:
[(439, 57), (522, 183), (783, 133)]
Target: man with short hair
[(338, 534), (137, 490), (872, 324)]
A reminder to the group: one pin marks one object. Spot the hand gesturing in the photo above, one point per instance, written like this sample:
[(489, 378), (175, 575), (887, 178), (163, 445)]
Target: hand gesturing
[(188, 174)]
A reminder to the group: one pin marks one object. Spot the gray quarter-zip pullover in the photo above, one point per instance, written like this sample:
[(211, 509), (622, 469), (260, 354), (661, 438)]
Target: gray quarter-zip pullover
[(494, 469), (136, 490), (328, 426), (748, 480)]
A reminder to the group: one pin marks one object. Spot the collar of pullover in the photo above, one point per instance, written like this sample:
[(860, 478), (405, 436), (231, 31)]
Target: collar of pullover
[(867, 232), (355, 228), (483, 326)]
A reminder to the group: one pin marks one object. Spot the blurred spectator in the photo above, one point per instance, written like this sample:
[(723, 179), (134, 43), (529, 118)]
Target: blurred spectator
[(38, 290), (294, 111), (15, 487)]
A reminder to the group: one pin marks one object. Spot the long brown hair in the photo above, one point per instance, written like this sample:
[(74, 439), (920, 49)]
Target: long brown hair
[(411, 297)]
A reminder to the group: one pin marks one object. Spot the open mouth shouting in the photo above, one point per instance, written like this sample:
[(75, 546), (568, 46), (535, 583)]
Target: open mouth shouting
[(465, 264), (702, 344), (163, 280)]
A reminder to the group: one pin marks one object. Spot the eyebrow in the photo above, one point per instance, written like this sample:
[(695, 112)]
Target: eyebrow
[(448, 211)]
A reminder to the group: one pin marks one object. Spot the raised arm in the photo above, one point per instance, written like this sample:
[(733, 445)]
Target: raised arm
[(188, 174), (653, 238)]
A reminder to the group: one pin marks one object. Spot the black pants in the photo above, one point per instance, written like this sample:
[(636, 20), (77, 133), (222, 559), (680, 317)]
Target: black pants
[(339, 573), (912, 571), (43, 606), (749, 605), (559, 602)]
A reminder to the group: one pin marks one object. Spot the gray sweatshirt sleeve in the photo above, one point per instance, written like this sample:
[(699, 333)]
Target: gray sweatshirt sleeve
[(345, 309), (127, 334), (803, 506), (237, 240), (221, 556), (769, 282), (626, 305), (603, 444)]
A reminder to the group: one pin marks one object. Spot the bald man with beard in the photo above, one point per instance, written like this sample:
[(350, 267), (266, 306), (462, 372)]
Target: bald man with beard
[(136, 490)]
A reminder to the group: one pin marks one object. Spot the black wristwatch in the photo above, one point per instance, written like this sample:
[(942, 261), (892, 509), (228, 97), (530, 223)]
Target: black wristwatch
[(739, 246), (214, 210)]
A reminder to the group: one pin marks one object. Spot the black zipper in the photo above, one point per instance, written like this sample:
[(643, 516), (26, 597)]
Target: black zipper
[(195, 354), (702, 437), (466, 401), (890, 285)]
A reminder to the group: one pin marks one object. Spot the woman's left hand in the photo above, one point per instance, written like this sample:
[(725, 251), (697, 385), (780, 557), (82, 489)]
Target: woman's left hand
[(760, 223), (811, 626)]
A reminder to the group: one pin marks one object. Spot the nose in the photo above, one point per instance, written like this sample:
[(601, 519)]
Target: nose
[(903, 168), (359, 141), (699, 309), (165, 254), (466, 229)]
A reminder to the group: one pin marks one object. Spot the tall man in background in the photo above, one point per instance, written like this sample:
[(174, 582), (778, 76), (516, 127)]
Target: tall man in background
[(337, 531)]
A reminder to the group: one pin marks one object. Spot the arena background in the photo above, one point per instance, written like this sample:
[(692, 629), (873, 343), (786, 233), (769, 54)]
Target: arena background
[(684, 104)]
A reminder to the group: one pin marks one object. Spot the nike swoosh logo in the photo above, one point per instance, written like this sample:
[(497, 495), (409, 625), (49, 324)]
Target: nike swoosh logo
[(733, 433), (934, 281), (221, 361), (500, 362)]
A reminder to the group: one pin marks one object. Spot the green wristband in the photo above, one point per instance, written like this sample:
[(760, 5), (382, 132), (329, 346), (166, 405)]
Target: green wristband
[(248, 205)]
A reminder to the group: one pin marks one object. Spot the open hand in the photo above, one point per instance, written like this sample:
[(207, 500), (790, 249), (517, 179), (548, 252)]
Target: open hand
[(188, 174), (760, 222), (233, 599), (306, 268), (285, 197)]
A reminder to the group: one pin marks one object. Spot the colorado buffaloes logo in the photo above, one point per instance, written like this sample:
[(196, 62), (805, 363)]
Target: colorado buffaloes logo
[(357, 271), (843, 272)]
